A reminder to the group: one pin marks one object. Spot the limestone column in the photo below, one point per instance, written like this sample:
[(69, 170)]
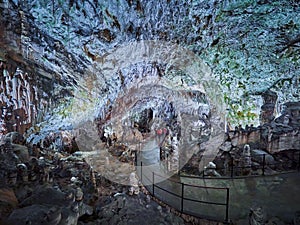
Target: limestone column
[(267, 113)]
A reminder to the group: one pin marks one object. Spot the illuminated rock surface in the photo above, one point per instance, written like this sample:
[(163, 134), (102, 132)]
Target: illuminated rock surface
[(109, 77)]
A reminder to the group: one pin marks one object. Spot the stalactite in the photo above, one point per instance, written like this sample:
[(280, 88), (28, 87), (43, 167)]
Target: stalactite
[(19, 101)]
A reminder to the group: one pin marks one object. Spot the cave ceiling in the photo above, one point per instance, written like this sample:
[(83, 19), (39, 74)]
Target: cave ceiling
[(88, 55)]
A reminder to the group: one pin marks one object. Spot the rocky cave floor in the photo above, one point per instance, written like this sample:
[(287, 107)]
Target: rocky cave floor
[(39, 185), (46, 187)]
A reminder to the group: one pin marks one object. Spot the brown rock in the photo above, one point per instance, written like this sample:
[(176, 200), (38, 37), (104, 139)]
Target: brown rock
[(8, 202), (8, 195), (21, 151)]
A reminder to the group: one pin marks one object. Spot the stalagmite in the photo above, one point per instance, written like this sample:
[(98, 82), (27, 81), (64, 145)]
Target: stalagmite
[(210, 170), (134, 186)]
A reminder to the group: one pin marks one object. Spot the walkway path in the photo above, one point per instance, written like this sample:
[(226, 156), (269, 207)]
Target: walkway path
[(277, 194)]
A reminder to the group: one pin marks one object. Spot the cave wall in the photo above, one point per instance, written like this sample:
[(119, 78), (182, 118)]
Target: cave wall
[(29, 90), (251, 46)]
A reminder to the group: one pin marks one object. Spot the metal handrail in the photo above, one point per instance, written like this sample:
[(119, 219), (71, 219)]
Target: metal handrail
[(182, 198), (262, 166), (172, 193)]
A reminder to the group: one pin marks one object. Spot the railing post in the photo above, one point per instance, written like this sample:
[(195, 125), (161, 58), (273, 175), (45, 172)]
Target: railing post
[(227, 221), (227, 206), (141, 171), (182, 196), (167, 162), (231, 167), (264, 162), (135, 158), (299, 161), (153, 183)]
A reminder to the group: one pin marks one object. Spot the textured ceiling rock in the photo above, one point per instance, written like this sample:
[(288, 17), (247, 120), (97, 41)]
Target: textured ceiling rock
[(250, 45)]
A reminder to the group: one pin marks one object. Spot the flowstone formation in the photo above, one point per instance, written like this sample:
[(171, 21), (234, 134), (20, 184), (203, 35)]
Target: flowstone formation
[(23, 102)]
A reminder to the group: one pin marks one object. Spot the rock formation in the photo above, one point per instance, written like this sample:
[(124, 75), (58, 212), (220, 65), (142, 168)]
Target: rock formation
[(117, 71), (52, 186)]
